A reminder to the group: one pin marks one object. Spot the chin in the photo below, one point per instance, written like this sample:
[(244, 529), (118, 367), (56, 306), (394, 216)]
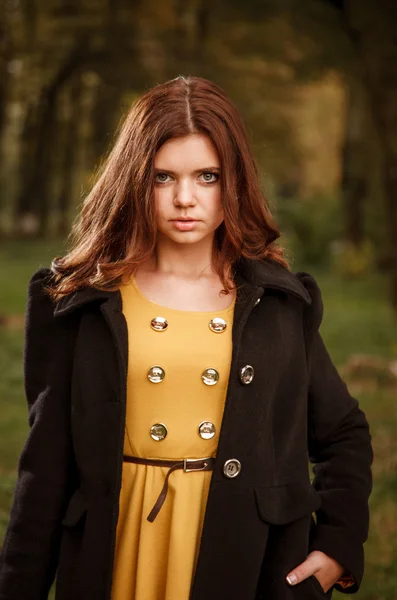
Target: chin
[(186, 239), (183, 237)]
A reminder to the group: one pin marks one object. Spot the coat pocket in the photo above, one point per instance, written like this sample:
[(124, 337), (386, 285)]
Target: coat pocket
[(76, 509), (318, 587), (282, 504)]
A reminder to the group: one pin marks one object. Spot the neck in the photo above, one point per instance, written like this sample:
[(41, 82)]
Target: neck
[(187, 261)]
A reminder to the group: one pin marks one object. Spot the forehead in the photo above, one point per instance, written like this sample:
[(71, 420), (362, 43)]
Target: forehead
[(187, 153)]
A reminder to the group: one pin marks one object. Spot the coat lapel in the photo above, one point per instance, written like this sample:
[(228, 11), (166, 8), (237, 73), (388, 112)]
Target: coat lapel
[(231, 524)]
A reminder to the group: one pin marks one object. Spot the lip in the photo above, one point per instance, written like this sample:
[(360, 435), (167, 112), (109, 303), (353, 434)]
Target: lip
[(184, 224)]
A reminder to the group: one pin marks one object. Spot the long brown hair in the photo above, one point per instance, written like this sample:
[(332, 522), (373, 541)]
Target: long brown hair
[(116, 230)]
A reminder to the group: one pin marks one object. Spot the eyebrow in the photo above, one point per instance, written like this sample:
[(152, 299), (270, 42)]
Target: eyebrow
[(196, 171)]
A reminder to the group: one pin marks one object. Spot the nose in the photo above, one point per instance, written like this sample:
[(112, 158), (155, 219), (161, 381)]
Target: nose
[(184, 194)]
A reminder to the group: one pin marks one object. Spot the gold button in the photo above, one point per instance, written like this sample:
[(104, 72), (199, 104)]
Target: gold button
[(206, 430), (158, 431), (156, 374), (159, 323), (217, 325), (210, 376)]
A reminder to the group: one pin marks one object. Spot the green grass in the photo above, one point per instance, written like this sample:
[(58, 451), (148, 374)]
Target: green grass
[(18, 261), (357, 316), (357, 320)]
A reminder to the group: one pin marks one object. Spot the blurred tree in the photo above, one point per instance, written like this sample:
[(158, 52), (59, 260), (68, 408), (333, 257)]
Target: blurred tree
[(286, 64), (355, 155), (68, 125), (325, 47), (372, 29), (69, 37), (39, 143), (5, 65), (5, 55)]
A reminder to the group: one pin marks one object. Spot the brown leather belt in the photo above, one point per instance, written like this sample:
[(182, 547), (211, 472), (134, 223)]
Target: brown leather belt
[(187, 464)]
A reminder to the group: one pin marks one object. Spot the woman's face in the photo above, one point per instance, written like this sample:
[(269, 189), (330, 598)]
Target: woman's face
[(187, 185)]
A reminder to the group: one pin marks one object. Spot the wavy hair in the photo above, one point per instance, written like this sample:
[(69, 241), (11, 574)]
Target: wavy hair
[(115, 231)]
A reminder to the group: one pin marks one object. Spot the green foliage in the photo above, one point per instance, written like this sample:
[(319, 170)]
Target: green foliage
[(349, 260), (311, 226), (357, 317)]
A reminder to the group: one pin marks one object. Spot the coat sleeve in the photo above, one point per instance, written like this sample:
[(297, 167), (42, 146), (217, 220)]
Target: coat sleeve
[(339, 445), (29, 556)]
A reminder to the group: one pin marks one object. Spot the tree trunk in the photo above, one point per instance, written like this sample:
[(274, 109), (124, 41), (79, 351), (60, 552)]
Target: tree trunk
[(4, 58), (68, 150), (36, 166), (25, 218), (373, 27), (105, 111), (36, 176), (5, 55), (354, 156)]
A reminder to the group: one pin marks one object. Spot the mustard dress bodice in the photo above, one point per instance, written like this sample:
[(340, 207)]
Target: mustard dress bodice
[(178, 371)]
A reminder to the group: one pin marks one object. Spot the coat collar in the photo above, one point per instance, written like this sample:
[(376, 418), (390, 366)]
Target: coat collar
[(271, 274), (265, 273)]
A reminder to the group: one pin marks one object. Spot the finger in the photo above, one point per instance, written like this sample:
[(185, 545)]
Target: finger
[(304, 570)]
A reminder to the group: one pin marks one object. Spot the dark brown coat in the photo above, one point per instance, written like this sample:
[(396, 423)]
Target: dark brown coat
[(259, 525)]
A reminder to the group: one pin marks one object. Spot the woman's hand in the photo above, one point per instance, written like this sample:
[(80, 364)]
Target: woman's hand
[(323, 567)]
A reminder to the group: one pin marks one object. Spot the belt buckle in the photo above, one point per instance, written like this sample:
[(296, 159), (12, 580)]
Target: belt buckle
[(195, 460)]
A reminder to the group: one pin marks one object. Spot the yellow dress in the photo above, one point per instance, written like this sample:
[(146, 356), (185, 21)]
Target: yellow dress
[(156, 560)]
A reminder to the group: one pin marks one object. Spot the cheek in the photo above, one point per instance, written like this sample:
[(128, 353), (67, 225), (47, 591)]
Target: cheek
[(214, 201), (161, 203)]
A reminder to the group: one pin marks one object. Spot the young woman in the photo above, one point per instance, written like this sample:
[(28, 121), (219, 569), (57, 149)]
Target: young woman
[(178, 385)]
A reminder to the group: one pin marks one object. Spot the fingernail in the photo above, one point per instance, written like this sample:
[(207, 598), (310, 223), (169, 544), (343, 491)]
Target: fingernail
[(292, 579)]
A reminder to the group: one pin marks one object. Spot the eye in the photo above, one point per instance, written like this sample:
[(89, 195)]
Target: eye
[(210, 177), (161, 177)]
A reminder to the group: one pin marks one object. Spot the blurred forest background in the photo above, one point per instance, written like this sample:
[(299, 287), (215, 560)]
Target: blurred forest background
[(316, 82)]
